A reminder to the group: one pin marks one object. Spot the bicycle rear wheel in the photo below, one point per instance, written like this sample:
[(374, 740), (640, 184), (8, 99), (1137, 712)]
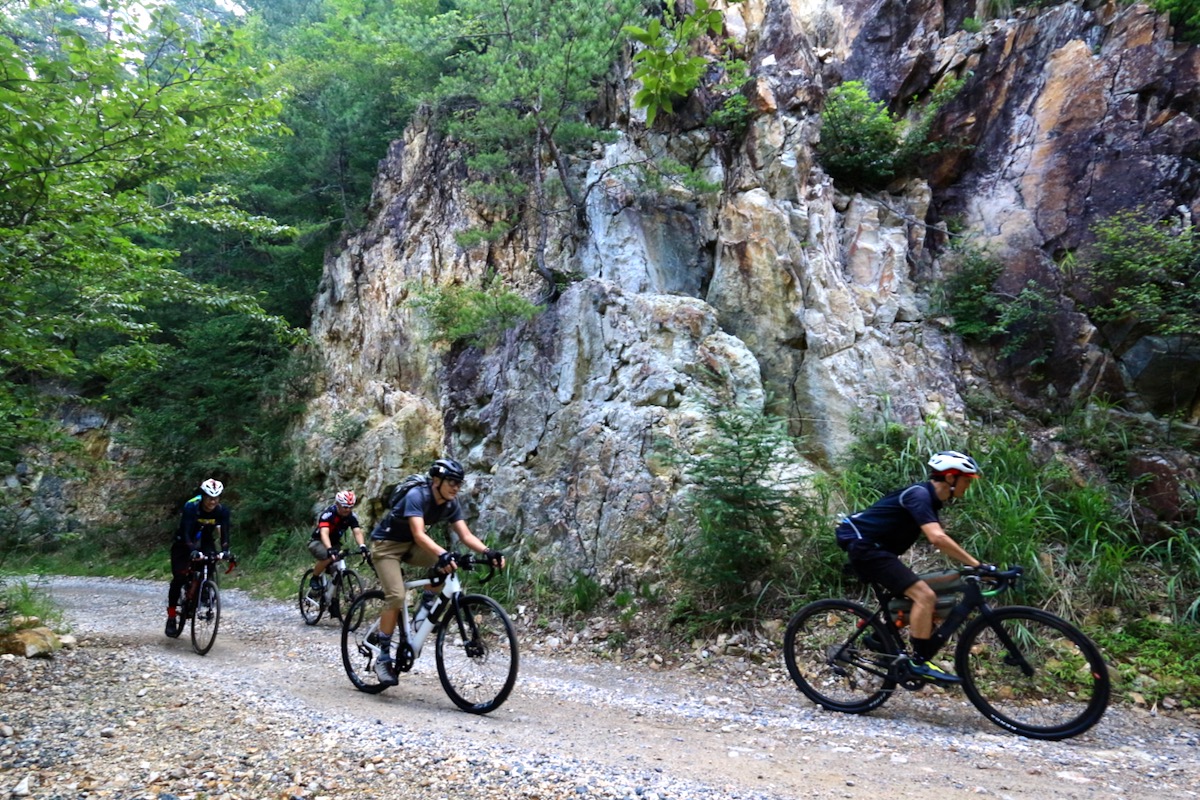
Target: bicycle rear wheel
[(477, 656), (345, 589), (310, 608), (839, 656), (207, 617), (1033, 673), (360, 648)]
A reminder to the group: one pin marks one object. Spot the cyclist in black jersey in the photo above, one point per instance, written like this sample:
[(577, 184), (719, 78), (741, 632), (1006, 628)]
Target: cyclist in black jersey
[(204, 517), (875, 539), (327, 538)]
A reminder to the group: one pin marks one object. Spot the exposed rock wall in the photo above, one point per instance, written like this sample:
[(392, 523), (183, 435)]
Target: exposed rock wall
[(776, 290)]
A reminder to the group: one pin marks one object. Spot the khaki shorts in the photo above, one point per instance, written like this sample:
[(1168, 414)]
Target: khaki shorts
[(388, 556)]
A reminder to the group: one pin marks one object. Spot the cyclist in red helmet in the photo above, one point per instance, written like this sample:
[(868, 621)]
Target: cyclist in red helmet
[(875, 538), (327, 538)]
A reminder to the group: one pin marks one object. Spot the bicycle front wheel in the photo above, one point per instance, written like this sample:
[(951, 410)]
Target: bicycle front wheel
[(840, 656), (207, 617), (477, 654), (345, 589), (311, 608), (1033, 673), (360, 645)]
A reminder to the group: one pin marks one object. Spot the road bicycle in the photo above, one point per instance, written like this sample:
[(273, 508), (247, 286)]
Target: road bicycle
[(476, 645), (1025, 669), (202, 599), (340, 585)]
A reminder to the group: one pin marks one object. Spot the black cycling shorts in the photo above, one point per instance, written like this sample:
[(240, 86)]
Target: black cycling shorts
[(881, 566)]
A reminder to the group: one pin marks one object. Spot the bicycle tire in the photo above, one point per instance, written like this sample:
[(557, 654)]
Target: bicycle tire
[(827, 660), (1068, 691), (207, 617), (345, 590), (359, 623), (477, 657), (310, 609)]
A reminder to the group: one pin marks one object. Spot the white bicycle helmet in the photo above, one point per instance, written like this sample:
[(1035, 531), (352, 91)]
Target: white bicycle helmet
[(345, 498), (952, 462), (212, 487)]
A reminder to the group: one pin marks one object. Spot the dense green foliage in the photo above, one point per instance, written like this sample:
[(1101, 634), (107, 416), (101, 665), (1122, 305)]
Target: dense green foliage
[(106, 139), (1185, 16), (749, 515), (463, 315), (1019, 325), (1148, 273), (666, 65), (864, 146)]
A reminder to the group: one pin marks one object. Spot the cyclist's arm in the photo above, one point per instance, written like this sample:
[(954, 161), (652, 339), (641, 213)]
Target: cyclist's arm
[(323, 534), (358, 535), (941, 540), (422, 539), (469, 539)]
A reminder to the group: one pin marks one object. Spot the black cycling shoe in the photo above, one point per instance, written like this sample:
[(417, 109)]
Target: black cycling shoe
[(173, 627), (928, 671)]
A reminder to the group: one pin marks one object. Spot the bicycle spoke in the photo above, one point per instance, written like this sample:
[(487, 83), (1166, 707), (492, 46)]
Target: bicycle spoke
[(477, 655), (1033, 673), (207, 617), (360, 626), (311, 608), (839, 657)]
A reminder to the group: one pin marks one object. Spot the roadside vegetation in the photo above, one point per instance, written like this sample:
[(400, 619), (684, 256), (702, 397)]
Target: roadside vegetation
[(169, 191)]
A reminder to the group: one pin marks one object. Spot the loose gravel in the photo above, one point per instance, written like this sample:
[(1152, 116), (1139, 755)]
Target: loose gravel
[(269, 713)]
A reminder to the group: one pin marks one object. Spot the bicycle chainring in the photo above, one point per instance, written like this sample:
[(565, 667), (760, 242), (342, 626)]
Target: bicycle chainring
[(404, 657)]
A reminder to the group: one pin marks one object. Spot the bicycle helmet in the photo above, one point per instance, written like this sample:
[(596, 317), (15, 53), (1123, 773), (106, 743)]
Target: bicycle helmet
[(447, 469), (345, 498), (951, 462), (212, 487)]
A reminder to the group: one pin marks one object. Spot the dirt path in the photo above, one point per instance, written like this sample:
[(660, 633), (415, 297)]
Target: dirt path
[(732, 729)]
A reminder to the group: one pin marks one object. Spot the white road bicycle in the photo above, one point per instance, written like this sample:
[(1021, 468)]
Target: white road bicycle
[(475, 643)]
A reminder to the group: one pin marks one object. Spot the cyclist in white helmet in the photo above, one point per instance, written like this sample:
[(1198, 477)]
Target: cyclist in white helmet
[(875, 538), (327, 538), (204, 518)]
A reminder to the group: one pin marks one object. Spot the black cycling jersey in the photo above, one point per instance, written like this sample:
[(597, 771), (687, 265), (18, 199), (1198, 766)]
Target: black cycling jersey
[(336, 524), (894, 522), (417, 502), (196, 526)]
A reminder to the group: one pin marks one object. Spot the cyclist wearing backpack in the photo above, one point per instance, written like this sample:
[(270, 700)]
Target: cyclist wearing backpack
[(203, 517), (402, 537), (326, 540), (875, 538)]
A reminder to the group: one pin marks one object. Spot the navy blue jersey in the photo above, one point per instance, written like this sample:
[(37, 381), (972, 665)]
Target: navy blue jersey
[(417, 502), (336, 524), (196, 526), (894, 522)]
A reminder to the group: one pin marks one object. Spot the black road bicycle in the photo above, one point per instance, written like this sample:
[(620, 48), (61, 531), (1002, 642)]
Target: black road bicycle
[(339, 586), (476, 645), (202, 600), (1025, 669)]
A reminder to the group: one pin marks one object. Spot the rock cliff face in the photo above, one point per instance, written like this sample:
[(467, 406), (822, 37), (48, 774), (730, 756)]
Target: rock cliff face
[(778, 289)]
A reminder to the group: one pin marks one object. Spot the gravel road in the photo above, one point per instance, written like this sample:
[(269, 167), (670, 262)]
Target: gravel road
[(268, 713)]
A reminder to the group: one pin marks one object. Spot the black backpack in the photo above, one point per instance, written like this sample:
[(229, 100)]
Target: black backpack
[(404, 487)]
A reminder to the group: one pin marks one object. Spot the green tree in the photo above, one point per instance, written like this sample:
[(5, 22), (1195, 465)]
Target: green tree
[(666, 65), (865, 146), (747, 504), (1147, 271), (1185, 16), (102, 142), (523, 77)]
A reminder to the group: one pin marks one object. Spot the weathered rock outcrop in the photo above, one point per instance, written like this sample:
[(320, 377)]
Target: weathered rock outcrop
[(776, 290)]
